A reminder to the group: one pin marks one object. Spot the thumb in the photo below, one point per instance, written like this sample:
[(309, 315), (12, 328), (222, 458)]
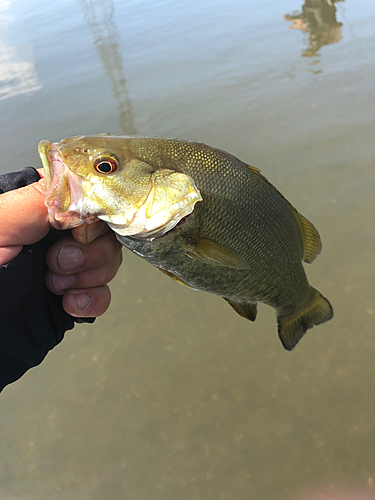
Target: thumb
[(23, 220)]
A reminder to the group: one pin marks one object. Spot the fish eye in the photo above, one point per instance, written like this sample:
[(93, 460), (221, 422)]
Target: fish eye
[(106, 165)]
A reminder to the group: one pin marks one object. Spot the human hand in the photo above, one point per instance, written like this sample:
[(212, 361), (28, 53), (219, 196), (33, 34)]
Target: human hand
[(24, 221), (80, 266)]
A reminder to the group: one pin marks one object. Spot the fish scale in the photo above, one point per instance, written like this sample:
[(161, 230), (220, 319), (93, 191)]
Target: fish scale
[(237, 236)]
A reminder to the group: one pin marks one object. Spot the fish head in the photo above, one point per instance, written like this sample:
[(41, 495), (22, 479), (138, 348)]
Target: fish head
[(99, 177)]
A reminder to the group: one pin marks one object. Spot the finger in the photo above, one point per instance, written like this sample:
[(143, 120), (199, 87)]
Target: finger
[(87, 303), (58, 284), (24, 217), (89, 232), (68, 257)]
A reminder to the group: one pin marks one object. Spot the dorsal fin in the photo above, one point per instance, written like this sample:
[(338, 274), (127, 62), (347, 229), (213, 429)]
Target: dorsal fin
[(311, 239), (254, 169), (310, 236)]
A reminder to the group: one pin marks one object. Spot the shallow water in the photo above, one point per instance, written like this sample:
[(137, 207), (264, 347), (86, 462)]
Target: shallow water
[(171, 395)]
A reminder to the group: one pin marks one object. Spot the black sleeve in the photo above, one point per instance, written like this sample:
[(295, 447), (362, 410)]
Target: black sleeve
[(32, 319)]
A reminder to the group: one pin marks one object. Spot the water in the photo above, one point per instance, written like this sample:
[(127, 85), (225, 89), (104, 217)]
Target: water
[(171, 395)]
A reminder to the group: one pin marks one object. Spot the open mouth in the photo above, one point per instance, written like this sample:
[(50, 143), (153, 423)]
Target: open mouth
[(73, 199), (64, 194)]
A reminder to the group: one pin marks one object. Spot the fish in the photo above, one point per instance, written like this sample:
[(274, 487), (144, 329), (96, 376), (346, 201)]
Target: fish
[(203, 217)]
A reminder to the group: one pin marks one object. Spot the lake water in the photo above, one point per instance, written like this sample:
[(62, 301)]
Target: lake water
[(170, 395)]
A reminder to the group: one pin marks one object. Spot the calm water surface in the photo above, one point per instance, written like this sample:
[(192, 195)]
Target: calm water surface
[(171, 395)]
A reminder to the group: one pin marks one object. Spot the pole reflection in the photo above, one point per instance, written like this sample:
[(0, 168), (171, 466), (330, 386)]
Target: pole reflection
[(98, 15)]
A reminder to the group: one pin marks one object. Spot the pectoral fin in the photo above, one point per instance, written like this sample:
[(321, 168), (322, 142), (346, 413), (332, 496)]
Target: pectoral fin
[(247, 309), (215, 254)]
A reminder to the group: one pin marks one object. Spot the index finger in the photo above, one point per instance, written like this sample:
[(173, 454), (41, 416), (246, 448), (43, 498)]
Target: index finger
[(87, 233), (24, 218)]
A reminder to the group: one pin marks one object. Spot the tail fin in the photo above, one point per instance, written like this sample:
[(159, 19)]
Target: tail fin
[(291, 329)]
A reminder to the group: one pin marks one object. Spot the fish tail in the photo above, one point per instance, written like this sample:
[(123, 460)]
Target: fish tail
[(292, 328)]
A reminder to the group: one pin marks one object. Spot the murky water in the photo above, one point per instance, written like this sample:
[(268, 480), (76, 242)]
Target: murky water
[(171, 395)]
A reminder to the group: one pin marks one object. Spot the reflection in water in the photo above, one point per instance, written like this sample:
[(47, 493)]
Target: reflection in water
[(99, 16), (17, 71), (170, 396), (318, 19)]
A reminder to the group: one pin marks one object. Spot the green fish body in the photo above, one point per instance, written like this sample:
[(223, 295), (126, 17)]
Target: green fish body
[(240, 239)]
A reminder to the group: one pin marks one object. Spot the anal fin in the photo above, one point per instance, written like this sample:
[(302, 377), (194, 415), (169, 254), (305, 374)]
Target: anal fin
[(246, 309)]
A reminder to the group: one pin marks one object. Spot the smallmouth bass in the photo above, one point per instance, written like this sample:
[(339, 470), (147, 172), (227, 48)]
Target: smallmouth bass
[(203, 217)]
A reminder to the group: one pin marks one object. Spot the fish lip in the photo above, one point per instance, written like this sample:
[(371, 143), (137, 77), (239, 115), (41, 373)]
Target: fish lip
[(43, 150), (57, 216), (61, 184), (52, 163)]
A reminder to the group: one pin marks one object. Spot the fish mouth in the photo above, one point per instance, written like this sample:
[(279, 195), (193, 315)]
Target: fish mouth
[(71, 198), (64, 192)]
